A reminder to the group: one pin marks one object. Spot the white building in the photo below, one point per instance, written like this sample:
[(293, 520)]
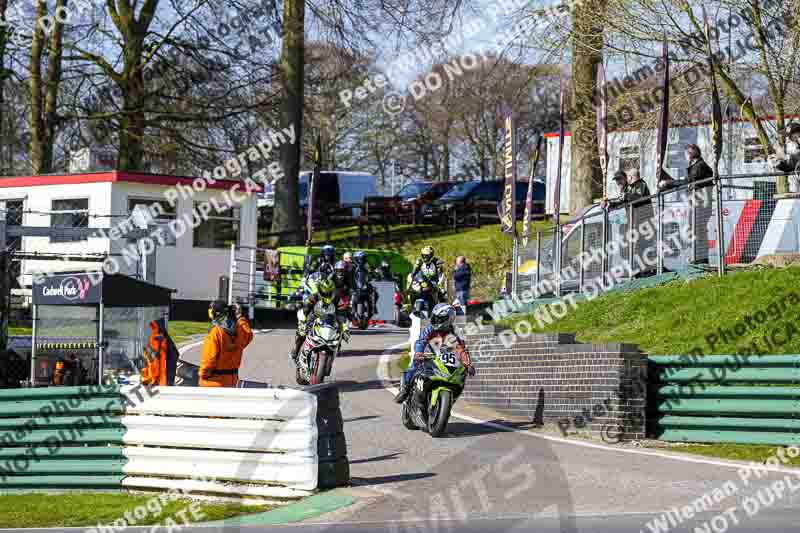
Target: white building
[(742, 154), (191, 263)]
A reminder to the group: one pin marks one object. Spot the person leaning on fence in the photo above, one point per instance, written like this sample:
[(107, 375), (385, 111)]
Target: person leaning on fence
[(161, 357), (700, 198), (222, 350), (792, 162), (462, 279), (634, 191)]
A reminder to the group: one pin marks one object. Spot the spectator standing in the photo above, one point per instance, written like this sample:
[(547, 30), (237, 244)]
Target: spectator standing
[(700, 200), (462, 278)]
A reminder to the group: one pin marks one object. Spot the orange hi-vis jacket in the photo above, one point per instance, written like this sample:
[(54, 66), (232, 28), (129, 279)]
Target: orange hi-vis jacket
[(222, 355), (155, 358)]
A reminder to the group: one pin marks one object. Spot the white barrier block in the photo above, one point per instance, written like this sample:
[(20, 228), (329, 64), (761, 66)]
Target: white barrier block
[(273, 404), (297, 436), (197, 487), (286, 470)]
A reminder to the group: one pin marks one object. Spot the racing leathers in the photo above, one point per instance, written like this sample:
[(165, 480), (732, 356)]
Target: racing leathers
[(427, 338), (339, 301), (433, 271)]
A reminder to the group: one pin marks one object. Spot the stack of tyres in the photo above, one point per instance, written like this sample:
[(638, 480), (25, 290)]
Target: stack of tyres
[(334, 467)]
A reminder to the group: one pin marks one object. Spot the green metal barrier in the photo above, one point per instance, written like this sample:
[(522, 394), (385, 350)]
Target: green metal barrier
[(61, 437), (725, 398)]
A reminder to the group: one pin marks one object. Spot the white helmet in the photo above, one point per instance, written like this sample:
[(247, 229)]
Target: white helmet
[(443, 316)]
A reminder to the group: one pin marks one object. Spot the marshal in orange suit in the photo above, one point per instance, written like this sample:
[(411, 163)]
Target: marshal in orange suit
[(222, 350)]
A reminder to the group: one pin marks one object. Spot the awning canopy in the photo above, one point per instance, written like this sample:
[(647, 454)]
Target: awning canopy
[(94, 288)]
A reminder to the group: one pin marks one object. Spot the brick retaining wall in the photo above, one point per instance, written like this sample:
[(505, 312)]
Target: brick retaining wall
[(549, 378)]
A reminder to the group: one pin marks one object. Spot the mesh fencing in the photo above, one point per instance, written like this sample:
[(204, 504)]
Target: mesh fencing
[(677, 230)]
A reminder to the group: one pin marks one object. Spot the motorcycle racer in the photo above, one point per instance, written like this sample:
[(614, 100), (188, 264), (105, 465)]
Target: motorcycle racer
[(441, 328)]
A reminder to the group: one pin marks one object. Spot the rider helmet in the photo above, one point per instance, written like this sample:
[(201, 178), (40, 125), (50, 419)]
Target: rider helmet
[(328, 254), (427, 254), (325, 289), (443, 316), (339, 270), (360, 258)]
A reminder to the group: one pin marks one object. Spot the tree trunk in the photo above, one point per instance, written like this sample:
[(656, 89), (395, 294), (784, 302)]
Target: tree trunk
[(132, 121), (587, 46), (5, 143), (292, 65)]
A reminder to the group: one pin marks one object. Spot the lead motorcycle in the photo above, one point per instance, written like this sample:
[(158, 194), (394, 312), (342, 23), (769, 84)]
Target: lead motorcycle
[(321, 346), (438, 383), (424, 294)]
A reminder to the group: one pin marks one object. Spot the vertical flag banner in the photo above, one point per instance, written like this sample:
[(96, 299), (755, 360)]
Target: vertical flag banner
[(526, 222), (663, 121), (716, 107), (508, 207), (557, 189), (312, 186), (602, 124)]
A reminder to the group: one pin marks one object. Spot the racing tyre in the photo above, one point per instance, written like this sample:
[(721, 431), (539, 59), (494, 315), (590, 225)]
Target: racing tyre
[(408, 422), (440, 414), (319, 368)]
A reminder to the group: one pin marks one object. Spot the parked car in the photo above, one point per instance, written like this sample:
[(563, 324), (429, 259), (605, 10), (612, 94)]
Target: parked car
[(340, 193), (418, 195), (483, 198)]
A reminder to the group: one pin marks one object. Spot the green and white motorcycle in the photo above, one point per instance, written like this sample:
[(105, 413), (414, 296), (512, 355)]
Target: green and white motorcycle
[(439, 381)]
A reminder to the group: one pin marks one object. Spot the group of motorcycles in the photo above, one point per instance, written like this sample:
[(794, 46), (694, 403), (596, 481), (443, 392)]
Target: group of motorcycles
[(441, 376)]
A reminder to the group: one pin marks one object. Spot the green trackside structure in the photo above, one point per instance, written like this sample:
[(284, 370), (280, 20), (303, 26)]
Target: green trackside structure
[(280, 296), (61, 438), (745, 399)]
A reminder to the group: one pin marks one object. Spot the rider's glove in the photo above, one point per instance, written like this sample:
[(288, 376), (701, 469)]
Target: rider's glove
[(471, 370), (419, 356)]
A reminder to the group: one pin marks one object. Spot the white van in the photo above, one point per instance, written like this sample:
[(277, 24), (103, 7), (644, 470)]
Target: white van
[(340, 188)]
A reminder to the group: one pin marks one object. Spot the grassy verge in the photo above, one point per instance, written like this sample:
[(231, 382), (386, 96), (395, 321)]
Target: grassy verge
[(90, 509), (180, 330), (681, 316), (758, 453)]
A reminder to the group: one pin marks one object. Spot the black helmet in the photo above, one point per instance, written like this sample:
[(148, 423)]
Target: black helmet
[(328, 253), (360, 258), (443, 316), (217, 309), (792, 129)]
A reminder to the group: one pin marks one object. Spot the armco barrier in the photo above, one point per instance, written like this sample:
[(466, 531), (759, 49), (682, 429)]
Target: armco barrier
[(256, 443), (551, 378), (725, 398)]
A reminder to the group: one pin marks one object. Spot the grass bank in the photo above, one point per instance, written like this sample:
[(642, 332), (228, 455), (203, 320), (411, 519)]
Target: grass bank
[(680, 316), (180, 330), (90, 509)]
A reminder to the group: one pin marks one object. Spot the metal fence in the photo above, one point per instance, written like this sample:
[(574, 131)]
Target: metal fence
[(668, 232)]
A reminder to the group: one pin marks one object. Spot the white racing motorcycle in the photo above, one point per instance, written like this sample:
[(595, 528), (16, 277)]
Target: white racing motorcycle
[(323, 341)]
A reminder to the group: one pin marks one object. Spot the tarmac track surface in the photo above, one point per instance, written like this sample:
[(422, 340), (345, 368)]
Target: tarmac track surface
[(480, 478)]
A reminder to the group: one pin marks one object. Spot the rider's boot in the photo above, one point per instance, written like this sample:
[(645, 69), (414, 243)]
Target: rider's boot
[(405, 389), (298, 343)]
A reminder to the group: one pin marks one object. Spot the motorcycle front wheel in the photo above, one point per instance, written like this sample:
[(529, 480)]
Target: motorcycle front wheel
[(440, 414), (319, 368)]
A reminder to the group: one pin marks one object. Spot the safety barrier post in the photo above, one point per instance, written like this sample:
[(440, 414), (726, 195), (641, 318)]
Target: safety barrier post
[(580, 256), (629, 240), (660, 232), (692, 209), (720, 227), (558, 250), (538, 260), (604, 242), (251, 297), (231, 273)]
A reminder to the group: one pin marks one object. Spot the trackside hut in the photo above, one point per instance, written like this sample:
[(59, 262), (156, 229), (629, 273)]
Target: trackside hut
[(190, 262)]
